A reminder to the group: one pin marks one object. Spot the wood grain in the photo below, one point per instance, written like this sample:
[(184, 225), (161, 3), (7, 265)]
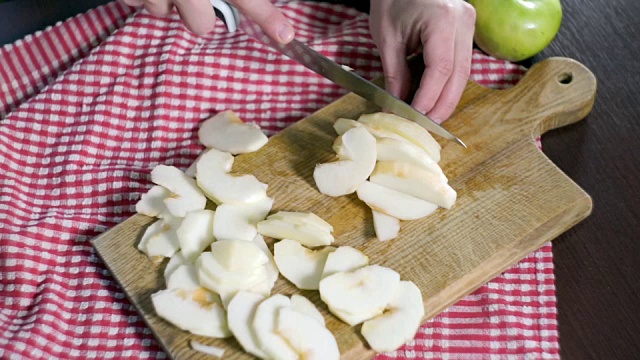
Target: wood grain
[(511, 200)]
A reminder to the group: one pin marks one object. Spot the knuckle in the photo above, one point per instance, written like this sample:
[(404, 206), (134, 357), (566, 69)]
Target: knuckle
[(468, 12), (443, 67)]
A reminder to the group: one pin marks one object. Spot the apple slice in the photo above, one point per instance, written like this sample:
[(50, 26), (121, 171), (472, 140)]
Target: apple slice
[(363, 293), (160, 240), (302, 266), (195, 233), (197, 311), (240, 313), (310, 339), (183, 277), (216, 277), (394, 203), (386, 227), (238, 221), (227, 132), (185, 194), (405, 128), (304, 305), (176, 260), (343, 177), (302, 218), (390, 149), (218, 184), (414, 181), (238, 255), (343, 125), (400, 321), (151, 203), (272, 268), (264, 325), (344, 259), (306, 234), (215, 351)]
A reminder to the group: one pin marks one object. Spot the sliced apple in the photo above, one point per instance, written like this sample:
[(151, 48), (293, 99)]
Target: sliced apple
[(302, 218), (272, 268), (176, 260), (264, 325), (386, 227), (414, 181), (405, 128), (304, 305), (215, 277), (344, 259), (343, 177), (223, 187), (309, 339), (393, 202), (342, 125), (306, 234), (185, 194), (362, 294), (240, 313), (400, 321), (238, 255), (197, 311), (160, 240), (195, 233), (302, 266), (183, 277), (227, 132), (215, 351), (390, 149), (151, 203), (238, 221)]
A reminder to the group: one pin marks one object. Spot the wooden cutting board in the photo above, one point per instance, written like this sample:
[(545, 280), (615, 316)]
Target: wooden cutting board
[(511, 200)]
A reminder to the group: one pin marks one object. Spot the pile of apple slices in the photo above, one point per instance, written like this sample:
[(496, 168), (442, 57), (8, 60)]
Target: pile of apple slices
[(220, 273), (391, 163)]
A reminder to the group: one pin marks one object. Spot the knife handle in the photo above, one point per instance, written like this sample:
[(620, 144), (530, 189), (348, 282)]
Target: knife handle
[(227, 13)]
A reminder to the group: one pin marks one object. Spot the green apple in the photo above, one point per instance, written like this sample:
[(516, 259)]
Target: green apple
[(515, 30)]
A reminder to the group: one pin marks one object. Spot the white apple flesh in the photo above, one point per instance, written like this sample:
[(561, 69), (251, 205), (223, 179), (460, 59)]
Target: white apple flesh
[(197, 311), (390, 149), (185, 194), (223, 187), (364, 292), (300, 265), (195, 233), (227, 132), (405, 128), (240, 313), (400, 321), (264, 325), (310, 339), (160, 239), (183, 277), (393, 202), (151, 203), (306, 234), (386, 227), (342, 177), (344, 259), (238, 221), (414, 181)]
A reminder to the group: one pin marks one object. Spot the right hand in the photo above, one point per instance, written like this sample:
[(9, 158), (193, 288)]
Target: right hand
[(200, 18)]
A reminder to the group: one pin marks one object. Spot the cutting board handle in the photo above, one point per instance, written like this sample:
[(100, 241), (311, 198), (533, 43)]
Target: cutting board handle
[(560, 90)]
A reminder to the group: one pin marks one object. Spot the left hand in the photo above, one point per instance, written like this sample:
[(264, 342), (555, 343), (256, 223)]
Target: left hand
[(444, 30)]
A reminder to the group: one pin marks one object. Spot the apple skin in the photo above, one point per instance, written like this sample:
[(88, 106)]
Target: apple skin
[(516, 30)]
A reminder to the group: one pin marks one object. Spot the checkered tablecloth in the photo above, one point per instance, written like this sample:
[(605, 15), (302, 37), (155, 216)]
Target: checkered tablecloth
[(89, 106)]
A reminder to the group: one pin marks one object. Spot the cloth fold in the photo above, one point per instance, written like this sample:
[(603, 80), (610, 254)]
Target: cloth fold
[(88, 107)]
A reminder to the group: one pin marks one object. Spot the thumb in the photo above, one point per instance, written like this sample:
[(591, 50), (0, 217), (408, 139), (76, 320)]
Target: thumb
[(268, 17)]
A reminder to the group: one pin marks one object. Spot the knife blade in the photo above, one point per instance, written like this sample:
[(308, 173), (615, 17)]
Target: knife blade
[(331, 70)]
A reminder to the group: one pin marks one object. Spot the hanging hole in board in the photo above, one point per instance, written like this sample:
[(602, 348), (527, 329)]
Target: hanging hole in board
[(565, 78)]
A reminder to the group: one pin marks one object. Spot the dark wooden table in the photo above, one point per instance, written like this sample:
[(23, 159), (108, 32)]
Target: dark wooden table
[(597, 263)]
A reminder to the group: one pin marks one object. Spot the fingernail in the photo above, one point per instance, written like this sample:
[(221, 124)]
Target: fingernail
[(285, 33)]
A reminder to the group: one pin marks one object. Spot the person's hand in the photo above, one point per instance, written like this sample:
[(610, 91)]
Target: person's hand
[(444, 30), (200, 17)]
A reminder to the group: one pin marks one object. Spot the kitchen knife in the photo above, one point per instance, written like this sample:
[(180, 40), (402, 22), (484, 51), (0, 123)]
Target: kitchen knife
[(326, 67)]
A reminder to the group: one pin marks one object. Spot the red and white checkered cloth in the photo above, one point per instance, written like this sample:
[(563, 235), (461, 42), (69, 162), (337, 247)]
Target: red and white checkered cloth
[(88, 107)]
